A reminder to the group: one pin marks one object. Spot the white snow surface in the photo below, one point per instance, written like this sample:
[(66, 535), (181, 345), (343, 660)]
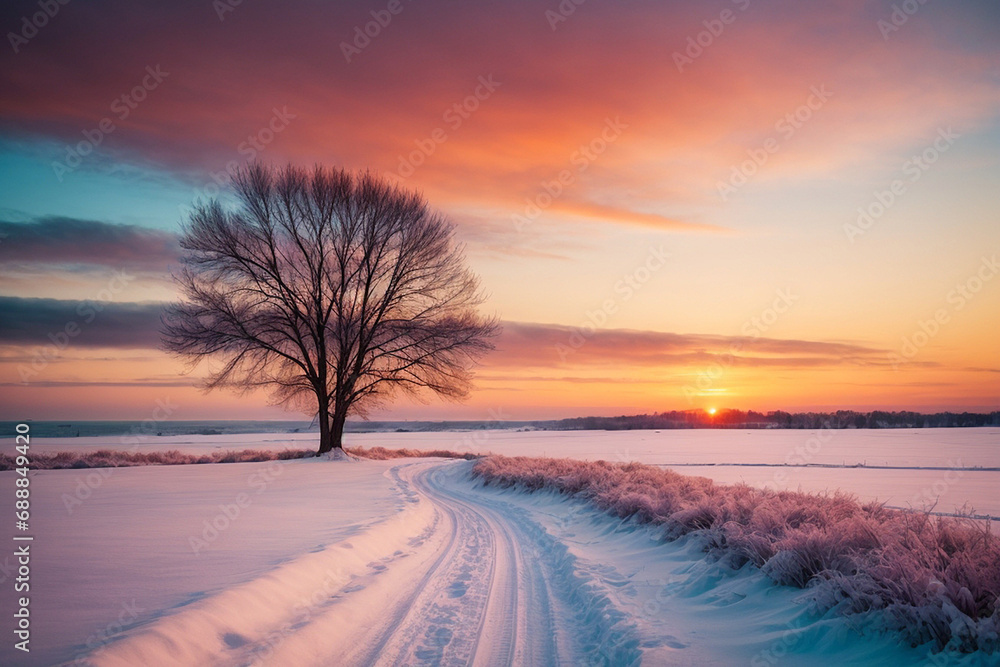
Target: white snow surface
[(900, 467), (404, 562)]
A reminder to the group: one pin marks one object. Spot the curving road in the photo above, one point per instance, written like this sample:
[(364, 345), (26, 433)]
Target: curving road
[(458, 577), (499, 591), (462, 575)]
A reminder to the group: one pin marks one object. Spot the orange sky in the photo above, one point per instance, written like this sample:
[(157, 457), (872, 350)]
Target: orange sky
[(661, 226)]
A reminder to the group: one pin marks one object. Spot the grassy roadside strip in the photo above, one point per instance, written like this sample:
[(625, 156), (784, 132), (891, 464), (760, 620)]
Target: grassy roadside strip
[(106, 458), (931, 579)]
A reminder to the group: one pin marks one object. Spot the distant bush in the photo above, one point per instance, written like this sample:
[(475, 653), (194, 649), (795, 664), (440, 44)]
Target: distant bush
[(106, 458), (931, 578)]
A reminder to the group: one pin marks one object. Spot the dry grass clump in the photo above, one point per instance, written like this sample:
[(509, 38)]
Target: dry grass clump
[(933, 579), (384, 454), (106, 458)]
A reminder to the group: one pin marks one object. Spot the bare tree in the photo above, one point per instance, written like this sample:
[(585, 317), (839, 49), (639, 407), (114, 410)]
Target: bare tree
[(335, 290)]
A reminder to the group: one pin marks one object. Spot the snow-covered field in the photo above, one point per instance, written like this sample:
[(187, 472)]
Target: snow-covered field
[(314, 562), (405, 562), (118, 547), (945, 468)]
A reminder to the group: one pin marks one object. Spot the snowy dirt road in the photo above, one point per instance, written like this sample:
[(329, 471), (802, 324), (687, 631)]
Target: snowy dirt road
[(457, 578), (467, 575), (494, 592)]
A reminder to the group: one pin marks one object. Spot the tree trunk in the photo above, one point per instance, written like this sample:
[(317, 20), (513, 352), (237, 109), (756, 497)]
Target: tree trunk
[(331, 427), (339, 416), (325, 439)]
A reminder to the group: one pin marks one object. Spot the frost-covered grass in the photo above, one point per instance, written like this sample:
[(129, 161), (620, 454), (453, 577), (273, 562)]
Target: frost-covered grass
[(933, 579), (106, 458), (384, 454)]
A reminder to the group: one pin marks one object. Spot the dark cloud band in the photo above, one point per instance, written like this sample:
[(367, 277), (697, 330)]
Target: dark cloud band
[(523, 344), (63, 323), (69, 241), (528, 344)]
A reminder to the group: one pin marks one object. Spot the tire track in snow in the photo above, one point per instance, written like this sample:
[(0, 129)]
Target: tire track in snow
[(537, 608), (466, 610), (484, 586)]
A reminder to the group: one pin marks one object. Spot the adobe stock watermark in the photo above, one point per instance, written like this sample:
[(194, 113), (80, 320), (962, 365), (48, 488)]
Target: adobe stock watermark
[(625, 289), (454, 116), (59, 340), (911, 171), (801, 455), (87, 485), (956, 300), (30, 25), (752, 328), (786, 127), (951, 655), (96, 642), (303, 613), (473, 441), (562, 12), (229, 513), (714, 27), (121, 108), (223, 7), (929, 496), (900, 16), (787, 643), (364, 34), (7, 569), (581, 159), (249, 149)]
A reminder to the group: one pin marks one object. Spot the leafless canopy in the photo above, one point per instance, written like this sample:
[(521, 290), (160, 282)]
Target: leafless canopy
[(334, 289)]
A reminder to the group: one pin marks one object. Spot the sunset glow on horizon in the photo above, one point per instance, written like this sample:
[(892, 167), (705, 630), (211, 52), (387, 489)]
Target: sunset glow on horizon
[(672, 206)]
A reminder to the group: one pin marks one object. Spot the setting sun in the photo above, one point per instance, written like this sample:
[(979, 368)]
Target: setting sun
[(711, 411)]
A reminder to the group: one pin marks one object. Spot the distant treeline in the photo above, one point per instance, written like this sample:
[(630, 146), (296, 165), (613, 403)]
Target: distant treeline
[(779, 419)]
